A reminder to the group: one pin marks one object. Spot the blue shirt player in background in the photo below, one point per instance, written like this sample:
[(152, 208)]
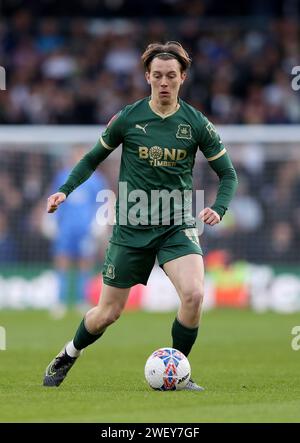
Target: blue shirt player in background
[(74, 242)]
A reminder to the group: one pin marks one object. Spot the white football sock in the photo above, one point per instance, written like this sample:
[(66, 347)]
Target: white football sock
[(71, 350)]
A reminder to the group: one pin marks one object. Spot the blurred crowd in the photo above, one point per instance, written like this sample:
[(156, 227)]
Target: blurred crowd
[(262, 225), (155, 8), (263, 222), (82, 70)]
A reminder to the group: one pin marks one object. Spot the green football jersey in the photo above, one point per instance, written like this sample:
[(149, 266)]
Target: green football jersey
[(158, 155)]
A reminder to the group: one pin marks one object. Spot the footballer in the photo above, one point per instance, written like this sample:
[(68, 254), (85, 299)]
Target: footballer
[(160, 136)]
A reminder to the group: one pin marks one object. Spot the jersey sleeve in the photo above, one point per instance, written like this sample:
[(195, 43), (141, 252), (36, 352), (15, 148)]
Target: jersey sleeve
[(209, 141), (113, 134)]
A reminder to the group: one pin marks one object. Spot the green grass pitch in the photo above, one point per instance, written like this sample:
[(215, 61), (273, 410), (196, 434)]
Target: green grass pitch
[(244, 360)]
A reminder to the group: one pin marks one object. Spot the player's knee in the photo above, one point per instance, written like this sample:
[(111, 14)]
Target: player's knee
[(111, 316), (193, 298), (104, 317)]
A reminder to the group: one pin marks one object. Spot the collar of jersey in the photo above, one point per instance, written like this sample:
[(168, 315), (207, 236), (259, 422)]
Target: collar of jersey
[(163, 116)]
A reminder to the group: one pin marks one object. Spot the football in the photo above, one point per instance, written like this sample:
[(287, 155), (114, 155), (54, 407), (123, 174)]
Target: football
[(167, 369)]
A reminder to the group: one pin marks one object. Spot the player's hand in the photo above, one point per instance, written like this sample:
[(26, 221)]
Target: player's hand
[(54, 201), (209, 216)]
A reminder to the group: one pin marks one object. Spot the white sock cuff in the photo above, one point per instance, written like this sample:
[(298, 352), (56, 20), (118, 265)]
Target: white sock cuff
[(71, 350)]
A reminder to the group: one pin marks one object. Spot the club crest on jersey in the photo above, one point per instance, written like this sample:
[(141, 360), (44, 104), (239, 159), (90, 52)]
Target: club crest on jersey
[(184, 131)]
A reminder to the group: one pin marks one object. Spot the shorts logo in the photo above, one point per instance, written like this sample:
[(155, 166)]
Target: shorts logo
[(110, 272), (192, 235), (184, 131)]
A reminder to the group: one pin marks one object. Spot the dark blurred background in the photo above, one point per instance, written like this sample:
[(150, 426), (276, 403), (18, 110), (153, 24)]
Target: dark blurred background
[(155, 8), (79, 63)]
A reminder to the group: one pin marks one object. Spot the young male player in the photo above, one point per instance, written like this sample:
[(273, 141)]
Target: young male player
[(160, 135)]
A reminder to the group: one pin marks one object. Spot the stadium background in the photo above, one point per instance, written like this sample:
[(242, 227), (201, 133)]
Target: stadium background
[(69, 68), (81, 69)]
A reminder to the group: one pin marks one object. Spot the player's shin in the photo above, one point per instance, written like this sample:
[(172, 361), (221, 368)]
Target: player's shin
[(84, 338), (183, 337)]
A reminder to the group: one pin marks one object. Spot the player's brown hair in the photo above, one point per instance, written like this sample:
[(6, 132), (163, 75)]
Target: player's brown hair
[(166, 51)]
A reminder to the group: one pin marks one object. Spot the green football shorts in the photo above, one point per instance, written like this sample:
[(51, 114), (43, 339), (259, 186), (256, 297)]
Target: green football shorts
[(131, 253)]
